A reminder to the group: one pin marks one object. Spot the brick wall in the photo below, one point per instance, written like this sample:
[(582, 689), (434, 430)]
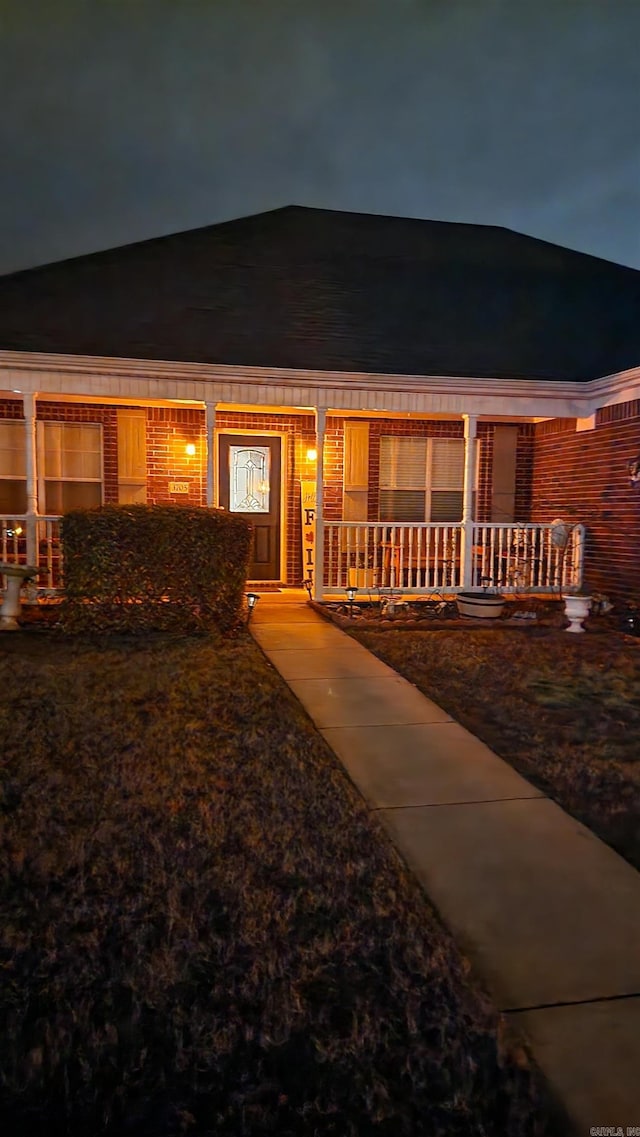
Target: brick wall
[(583, 477), (11, 408), (169, 431)]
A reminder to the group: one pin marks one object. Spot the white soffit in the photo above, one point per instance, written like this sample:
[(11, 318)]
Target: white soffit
[(124, 380)]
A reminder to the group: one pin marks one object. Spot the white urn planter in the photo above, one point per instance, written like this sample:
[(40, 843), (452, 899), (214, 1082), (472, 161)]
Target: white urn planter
[(10, 606), (577, 609), (486, 605)]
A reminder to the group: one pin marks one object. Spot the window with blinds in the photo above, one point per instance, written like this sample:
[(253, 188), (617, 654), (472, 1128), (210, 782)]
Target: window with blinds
[(70, 458), (13, 468), (421, 479)]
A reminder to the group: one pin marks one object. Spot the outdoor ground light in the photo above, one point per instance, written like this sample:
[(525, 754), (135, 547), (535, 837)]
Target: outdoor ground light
[(308, 584), (351, 591), (252, 600)]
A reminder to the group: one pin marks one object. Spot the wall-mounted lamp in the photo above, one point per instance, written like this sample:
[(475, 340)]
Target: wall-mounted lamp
[(312, 454), (190, 449), (633, 469), (252, 600)]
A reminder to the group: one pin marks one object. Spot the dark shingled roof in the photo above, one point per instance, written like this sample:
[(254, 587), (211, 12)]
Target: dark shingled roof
[(313, 288)]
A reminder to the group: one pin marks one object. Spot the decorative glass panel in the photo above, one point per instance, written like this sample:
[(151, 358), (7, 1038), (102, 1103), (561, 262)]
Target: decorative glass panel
[(249, 479)]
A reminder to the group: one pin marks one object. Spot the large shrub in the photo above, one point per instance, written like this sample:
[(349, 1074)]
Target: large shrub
[(153, 567)]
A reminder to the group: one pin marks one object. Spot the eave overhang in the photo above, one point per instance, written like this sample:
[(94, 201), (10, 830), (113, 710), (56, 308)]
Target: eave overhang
[(148, 380)]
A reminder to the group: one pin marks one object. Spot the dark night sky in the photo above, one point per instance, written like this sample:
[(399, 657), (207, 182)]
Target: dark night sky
[(126, 119)]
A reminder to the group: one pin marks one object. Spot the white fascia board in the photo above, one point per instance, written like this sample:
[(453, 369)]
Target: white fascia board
[(150, 380)]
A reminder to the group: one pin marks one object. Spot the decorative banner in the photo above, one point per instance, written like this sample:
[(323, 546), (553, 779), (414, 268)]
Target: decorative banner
[(308, 507)]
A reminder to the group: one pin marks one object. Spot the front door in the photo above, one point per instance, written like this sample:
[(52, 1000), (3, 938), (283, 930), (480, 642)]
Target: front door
[(249, 472)]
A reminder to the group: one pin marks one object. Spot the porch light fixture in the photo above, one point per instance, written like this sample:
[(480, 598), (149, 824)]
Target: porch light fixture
[(633, 470), (351, 591), (190, 449), (312, 454), (252, 600)]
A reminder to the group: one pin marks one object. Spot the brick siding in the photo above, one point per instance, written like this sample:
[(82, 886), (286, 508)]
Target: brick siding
[(583, 477)]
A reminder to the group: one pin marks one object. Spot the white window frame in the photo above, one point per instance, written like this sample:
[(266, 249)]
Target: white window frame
[(425, 483), (44, 478)]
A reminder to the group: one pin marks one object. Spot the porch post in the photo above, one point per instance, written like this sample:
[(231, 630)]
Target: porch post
[(210, 428), (470, 424), (318, 575), (29, 410)]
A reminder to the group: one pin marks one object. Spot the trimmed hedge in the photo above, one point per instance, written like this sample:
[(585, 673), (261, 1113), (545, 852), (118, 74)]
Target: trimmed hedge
[(139, 568)]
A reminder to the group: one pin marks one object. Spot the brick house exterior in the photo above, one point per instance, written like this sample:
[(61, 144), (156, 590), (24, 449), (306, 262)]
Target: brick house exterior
[(301, 323)]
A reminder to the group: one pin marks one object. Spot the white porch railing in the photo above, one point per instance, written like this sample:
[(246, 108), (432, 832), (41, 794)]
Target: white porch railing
[(383, 555), (525, 559), (29, 540), (419, 558)]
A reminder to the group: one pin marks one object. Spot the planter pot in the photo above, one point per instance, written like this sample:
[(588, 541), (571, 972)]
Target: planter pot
[(15, 575), (361, 578), (486, 605), (577, 608)]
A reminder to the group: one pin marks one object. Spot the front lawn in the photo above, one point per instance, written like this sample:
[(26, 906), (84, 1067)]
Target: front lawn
[(203, 930), (563, 709)]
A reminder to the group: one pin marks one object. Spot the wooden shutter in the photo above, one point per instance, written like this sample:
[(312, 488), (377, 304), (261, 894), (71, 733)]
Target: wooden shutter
[(132, 456), (503, 482), (355, 497)]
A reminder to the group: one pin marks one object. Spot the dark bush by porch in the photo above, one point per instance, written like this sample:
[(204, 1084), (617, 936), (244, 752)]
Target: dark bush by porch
[(141, 567)]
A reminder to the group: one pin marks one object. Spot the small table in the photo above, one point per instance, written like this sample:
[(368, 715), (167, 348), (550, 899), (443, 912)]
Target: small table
[(10, 607)]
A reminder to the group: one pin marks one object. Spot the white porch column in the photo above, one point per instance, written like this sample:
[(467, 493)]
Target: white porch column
[(318, 576), (470, 424), (210, 450), (29, 410)]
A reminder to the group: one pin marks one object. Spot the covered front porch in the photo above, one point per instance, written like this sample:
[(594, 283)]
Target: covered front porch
[(415, 501)]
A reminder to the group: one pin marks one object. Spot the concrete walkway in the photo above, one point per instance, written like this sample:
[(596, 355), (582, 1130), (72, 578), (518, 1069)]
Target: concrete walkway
[(548, 914)]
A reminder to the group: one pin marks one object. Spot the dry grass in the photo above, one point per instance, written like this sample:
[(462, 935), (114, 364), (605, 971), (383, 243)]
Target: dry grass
[(203, 930), (563, 709)]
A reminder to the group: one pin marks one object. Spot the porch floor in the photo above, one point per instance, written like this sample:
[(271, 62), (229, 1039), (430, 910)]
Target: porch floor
[(547, 913)]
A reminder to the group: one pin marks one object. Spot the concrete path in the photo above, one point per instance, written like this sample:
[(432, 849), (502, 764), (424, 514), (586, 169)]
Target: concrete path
[(547, 913)]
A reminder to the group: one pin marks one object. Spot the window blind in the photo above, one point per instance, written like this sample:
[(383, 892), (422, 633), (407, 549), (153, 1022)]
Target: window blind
[(421, 479)]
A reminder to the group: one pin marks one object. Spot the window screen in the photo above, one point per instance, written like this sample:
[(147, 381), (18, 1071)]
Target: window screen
[(13, 473), (71, 460)]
